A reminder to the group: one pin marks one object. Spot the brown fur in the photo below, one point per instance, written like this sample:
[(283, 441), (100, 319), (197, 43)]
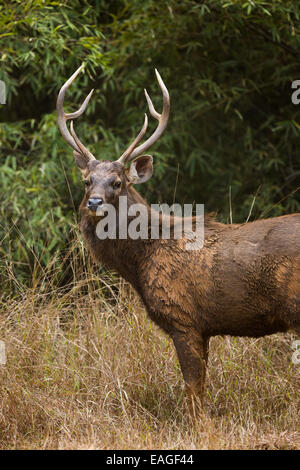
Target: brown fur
[(245, 281)]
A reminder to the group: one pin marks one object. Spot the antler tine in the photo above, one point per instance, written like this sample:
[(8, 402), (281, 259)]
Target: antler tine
[(127, 152), (82, 108), (162, 119), (62, 117), (80, 145)]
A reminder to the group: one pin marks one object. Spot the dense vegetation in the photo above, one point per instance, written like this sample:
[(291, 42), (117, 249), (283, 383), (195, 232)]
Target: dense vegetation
[(233, 133), (85, 366)]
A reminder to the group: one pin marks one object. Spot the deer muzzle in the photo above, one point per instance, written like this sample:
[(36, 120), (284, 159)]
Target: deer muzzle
[(94, 203)]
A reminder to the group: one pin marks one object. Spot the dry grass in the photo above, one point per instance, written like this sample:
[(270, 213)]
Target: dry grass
[(86, 369)]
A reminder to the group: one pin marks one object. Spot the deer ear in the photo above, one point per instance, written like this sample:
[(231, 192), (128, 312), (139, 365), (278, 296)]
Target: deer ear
[(140, 169), (80, 160)]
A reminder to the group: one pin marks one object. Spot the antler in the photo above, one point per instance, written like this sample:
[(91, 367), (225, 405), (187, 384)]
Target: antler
[(62, 118), (133, 152)]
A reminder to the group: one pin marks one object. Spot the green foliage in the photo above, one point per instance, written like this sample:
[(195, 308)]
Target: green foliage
[(233, 129)]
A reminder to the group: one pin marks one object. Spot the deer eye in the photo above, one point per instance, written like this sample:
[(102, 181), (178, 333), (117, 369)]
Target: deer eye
[(87, 183), (117, 184)]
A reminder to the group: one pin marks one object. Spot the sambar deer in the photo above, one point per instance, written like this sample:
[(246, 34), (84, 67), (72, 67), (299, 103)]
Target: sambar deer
[(244, 281)]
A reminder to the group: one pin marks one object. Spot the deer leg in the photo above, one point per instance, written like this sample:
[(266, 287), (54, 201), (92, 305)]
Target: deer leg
[(192, 352)]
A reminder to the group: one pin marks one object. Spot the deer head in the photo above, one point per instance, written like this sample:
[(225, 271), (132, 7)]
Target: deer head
[(106, 180)]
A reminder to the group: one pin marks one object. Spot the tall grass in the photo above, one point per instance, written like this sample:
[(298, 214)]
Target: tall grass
[(86, 369)]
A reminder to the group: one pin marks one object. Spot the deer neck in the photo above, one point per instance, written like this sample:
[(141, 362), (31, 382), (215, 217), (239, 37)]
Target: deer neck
[(124, 256)]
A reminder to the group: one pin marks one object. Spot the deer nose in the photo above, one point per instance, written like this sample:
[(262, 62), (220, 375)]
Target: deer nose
[(94, 202)]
